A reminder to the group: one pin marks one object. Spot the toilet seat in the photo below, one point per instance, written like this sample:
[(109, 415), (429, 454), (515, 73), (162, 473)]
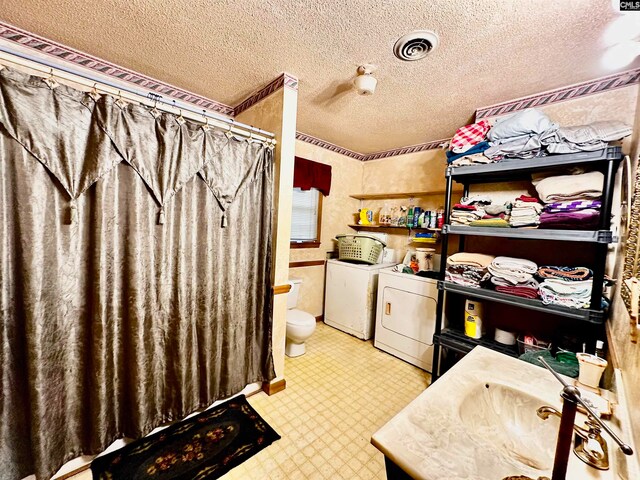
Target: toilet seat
[(300, 317)]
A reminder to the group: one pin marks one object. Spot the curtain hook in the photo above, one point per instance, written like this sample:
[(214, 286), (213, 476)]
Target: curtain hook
[(206, 125), (120, 101), (180, 119), (50, 80), (229, 133), (94, 92)]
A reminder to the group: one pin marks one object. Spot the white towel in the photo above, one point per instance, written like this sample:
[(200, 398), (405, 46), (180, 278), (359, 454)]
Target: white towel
[(513, 270), (570, 187)]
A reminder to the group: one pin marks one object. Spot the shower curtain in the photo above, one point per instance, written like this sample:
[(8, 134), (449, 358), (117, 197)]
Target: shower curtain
[(135, 283)]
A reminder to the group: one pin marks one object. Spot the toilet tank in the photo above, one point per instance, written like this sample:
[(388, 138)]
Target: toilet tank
[(292, 296)]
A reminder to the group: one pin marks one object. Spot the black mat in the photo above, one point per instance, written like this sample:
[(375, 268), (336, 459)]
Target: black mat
[(205, 446)]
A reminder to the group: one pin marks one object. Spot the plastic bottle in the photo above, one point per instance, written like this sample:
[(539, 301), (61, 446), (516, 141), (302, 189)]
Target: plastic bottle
[(600, 349), (440, 218), (410, 216)]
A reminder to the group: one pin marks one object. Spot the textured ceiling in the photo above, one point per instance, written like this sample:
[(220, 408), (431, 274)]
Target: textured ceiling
[(490, 51)]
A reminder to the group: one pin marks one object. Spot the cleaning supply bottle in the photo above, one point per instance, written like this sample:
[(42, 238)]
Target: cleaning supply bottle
[(473, 326)]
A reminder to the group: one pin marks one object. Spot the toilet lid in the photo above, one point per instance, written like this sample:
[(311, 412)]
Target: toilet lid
[(299, 317)]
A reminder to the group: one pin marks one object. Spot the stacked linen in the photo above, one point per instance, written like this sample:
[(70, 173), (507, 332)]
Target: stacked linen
[(468, 269), (525, 212), (519, 135), (465, 214), (575, 214), (468, 143), (469, 209), (514, 276), (495, 215), (566, 286), (585, 138), (572, 201), (527, 289)]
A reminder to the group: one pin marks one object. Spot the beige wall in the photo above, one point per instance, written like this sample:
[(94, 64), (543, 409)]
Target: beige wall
[(415, 172), (277, 113), (337, 212)]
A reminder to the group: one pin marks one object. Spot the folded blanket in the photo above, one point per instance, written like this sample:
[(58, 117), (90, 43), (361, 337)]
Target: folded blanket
[(469, 135), (461, 279), (578, 220), (589, 138), (572, 206), (526, 122), (522, 147), (478, 148), (572, 274), (513, 270), (570, 187), (467, 258), (490, 222)]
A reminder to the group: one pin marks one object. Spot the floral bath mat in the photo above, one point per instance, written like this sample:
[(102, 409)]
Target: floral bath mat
[(203, 447)]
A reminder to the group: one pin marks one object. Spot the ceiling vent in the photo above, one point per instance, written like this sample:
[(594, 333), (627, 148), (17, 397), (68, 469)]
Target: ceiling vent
[(415, 45)]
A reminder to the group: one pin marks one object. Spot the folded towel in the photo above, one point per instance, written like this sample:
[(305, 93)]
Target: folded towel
[(570, 187), (572, 206), (530, 282), (577, 220), (573, 294), (513, 270), (467, 258), (525, 292), (572, 274), (490, 222)]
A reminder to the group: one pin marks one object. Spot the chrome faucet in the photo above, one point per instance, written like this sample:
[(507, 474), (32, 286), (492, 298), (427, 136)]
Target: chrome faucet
[(594, 448)]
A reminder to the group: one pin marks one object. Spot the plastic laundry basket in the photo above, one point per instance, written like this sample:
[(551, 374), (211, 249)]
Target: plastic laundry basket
[(359, 248)]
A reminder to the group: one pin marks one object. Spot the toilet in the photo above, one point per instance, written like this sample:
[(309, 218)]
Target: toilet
[(300, 325)]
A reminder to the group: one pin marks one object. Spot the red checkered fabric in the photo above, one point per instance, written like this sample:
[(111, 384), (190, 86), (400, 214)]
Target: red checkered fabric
[(469, 135)]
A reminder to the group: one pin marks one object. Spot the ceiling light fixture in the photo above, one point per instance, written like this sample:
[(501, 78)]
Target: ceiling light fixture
[(365, 82), (415, 45)]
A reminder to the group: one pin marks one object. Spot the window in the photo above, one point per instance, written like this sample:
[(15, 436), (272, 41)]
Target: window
[(306, 215)]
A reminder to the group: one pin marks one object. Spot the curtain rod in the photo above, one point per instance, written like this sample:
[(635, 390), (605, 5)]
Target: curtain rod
[(150, 98)]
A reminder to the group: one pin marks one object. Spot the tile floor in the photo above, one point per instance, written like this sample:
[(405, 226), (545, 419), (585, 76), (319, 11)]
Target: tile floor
[(338, 393)]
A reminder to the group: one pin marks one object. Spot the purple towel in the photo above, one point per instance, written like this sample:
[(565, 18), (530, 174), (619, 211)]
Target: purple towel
[(572, 206), (579, 220)]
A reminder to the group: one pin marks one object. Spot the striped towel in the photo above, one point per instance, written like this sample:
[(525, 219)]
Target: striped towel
[(572, 206)]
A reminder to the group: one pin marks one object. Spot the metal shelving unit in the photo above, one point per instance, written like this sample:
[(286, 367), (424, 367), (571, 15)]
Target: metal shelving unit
[(605, 160)]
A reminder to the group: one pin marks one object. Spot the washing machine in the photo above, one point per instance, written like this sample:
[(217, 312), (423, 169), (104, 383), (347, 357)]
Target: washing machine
[(350, 297), (406, 317)]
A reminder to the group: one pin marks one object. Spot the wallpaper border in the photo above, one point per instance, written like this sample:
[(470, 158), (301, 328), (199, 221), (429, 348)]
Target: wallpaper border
[(578, 90), (68, 54), (40, 44)]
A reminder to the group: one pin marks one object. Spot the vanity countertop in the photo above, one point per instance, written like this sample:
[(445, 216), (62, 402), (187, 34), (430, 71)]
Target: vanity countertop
[(478, 421)]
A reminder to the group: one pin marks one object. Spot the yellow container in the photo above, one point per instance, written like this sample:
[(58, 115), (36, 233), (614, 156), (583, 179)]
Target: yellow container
[(473, 326)]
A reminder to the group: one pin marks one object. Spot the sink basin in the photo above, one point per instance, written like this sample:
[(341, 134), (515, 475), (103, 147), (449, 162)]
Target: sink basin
[(503, 417), (479, 422)]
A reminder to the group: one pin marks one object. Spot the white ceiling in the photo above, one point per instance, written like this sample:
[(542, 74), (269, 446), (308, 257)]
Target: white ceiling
[(490, 51)]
